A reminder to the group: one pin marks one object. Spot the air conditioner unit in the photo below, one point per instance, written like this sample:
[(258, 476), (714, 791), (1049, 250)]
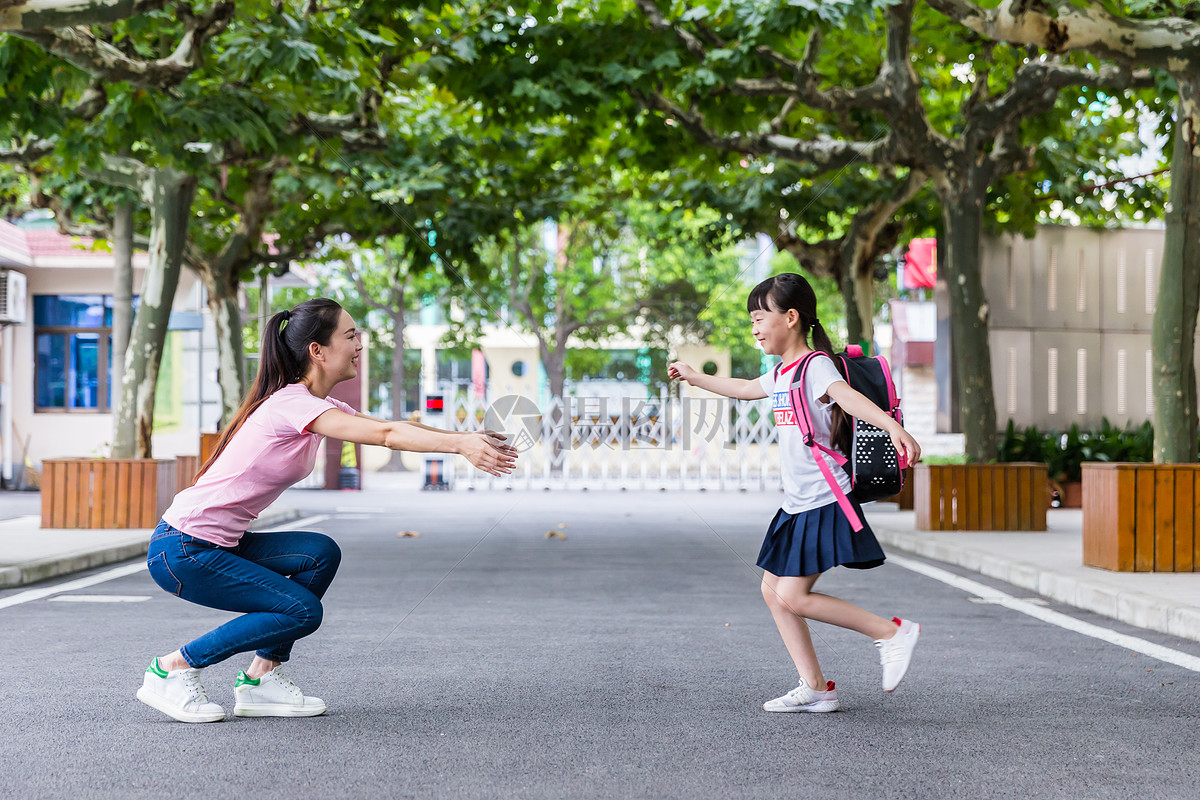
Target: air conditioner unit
[(12, 296)]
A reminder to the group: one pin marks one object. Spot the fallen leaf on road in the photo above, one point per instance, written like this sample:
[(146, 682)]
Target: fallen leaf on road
[(408, 534), (555, 535)]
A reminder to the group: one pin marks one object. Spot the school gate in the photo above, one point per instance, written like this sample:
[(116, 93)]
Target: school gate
[(598, 443)]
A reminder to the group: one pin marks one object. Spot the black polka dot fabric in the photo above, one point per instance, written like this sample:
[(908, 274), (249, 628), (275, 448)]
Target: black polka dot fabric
[(874, 464)]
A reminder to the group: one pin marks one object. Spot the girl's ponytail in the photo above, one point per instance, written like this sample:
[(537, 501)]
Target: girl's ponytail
[(820, 339), (283, 358)]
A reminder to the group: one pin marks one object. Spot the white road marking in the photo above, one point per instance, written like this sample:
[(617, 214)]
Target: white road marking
[(70, 586), (296, 525), (1037, 601), (1133, 643), (99, 598)]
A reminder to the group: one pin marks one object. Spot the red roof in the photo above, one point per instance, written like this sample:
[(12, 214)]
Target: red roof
[(24, 244), (46, 242)]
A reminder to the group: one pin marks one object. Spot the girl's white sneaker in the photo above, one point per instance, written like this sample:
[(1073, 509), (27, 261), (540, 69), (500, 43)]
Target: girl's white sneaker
[(273, 695), (895, 654), (803, 698), (179, 694)]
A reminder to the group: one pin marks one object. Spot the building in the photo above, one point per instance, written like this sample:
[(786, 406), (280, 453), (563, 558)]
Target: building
[(1071, 312), (56, 400)]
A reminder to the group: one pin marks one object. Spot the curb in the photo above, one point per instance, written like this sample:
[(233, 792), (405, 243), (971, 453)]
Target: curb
[(46, 568), (57, 566), (1135, 608)]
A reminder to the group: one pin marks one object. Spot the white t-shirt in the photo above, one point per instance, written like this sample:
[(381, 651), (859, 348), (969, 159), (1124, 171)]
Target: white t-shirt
[(804, 485)]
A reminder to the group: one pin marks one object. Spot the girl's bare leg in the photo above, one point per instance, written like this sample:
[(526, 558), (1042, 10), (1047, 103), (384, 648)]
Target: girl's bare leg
[(792, 603)]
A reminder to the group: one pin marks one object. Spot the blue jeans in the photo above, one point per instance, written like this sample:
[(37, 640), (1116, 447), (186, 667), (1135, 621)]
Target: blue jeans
[(276, 579)]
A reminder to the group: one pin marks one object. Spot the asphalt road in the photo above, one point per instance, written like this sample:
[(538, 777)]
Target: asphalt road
[(483, 660)]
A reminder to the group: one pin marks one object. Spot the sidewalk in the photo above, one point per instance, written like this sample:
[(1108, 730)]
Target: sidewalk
[(1048, 564), (1051, 564)]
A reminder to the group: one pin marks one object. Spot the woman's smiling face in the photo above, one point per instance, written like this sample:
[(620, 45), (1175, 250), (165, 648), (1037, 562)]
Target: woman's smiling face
[(344, 349)]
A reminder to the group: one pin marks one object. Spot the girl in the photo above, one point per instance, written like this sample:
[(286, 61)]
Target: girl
[(202, 552), (811, 533)]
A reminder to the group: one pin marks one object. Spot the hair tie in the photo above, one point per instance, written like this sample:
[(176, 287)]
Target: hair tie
[(287, 314), (816, 322)]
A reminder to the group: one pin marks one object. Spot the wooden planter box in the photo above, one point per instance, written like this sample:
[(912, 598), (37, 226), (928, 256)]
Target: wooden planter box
[(1141, 517), (106, 492), (980, 497), (208, 445), (186, 468)]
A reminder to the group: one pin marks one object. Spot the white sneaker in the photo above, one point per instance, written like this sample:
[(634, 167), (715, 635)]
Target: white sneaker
[(802, 698), (178, 694), (896, 653), (273, 695)]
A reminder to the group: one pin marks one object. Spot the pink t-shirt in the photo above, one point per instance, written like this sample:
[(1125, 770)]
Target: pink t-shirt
[(272, 450)]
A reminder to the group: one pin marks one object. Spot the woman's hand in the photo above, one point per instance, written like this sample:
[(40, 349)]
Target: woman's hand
[(906, 446), (680, 371), (487, 451)]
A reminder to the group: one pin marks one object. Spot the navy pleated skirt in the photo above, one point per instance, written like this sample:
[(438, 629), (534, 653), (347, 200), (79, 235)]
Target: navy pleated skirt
[(816, 540)]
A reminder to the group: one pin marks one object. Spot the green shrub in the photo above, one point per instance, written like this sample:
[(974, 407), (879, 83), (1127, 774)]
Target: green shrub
[(936, 460), (1063, 452)]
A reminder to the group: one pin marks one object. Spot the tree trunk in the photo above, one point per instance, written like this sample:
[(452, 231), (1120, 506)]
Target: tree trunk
[(963, 197), (864, 297), (169, 194), (396, 463), (231, 362), (122, 322), (1178, 301), (554, 362), (221, 274), (854, 320)]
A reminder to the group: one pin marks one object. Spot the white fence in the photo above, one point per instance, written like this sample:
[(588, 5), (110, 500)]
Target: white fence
[(600, 443)]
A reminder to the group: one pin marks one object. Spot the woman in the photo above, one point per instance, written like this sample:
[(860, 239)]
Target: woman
[(202, 552)]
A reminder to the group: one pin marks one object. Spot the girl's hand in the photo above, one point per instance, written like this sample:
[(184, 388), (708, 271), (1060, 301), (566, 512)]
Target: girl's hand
[(905, 445), (679, 371), (487, 452)]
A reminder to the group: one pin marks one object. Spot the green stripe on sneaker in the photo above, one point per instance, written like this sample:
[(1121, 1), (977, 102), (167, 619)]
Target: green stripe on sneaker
[(245, 680), (155, 669)]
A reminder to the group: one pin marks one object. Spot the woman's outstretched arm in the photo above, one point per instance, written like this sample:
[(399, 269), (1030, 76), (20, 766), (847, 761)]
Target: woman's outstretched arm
[(486, 450), (414, 423)]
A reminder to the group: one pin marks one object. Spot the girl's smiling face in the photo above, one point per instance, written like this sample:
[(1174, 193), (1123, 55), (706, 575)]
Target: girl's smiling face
[(775, 331)]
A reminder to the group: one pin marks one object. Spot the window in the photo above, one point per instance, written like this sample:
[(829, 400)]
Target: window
[(72, 340)]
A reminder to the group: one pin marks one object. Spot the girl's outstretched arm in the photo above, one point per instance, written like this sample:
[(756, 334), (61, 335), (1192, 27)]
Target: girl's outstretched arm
[(856, 404), (484, 449), (737, 388)]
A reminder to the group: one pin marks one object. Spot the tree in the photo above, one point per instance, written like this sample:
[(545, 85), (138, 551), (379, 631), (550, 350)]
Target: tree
[(279, 99), (81, 98), (835, 230), (1170, 44), (984, 142)]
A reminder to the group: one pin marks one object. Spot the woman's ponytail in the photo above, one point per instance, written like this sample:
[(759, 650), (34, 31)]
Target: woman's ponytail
[(283, 358)]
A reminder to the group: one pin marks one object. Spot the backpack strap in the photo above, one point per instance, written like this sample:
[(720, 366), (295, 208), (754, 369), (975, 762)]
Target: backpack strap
[(821, 454)]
